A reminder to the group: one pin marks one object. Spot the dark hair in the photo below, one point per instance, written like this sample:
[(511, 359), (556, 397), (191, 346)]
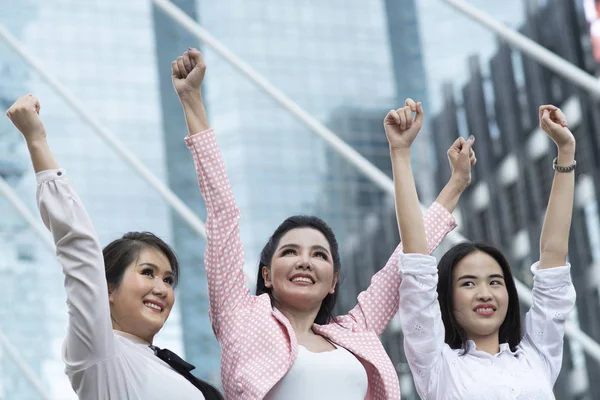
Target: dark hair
[(456, 337), (121, 252), (325, 314)]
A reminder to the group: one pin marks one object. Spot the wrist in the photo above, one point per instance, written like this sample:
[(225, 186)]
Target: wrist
[(37, 140), (566, 154), (190, 97), (459, 182), (400, 152)]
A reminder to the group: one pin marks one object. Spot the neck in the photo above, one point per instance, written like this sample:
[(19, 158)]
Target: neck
[(301, 320), (134, 336), (489, 344)]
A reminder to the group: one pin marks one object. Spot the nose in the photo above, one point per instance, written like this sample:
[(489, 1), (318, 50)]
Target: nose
[(484, 294), (304, 262), (160, 288)]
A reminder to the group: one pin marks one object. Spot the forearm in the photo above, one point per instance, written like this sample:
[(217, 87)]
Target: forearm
[(195, 113), (451, 193), (408, 209), (41, 155), (554, 241)]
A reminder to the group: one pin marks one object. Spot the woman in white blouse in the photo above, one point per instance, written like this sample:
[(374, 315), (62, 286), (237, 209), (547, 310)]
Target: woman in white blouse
[(118, 299), (468, 345)]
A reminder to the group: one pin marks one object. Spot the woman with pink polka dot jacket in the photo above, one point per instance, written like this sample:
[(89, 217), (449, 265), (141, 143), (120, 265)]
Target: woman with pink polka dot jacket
[(284, 342), (461, 319)]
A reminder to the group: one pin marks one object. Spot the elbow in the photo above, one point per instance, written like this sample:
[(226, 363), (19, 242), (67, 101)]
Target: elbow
[(553, 256)]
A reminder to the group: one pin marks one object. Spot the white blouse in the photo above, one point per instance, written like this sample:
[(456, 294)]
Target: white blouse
[(329, 375), (101, 363), (440, 372)]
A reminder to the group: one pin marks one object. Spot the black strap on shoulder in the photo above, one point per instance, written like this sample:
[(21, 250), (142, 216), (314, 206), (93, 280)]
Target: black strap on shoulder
[(184, 369)]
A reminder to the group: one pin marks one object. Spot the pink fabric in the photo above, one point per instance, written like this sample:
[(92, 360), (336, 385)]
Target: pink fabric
[(258, 343)]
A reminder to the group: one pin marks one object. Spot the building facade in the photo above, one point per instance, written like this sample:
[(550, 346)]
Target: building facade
[(103, 52)]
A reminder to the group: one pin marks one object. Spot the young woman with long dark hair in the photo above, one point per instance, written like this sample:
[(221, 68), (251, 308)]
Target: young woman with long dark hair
[(461, 320)]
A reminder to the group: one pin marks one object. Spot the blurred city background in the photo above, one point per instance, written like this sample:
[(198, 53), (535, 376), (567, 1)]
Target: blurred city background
[(344, 62)]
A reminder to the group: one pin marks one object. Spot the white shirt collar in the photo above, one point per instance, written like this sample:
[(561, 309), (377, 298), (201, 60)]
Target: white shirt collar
[(504, 347)]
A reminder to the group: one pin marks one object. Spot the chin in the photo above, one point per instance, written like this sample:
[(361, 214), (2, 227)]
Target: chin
[(486, 331), (156, 323)]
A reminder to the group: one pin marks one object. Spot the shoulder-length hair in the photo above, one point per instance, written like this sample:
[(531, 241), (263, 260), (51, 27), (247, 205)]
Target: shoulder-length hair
[(325, 314), (456, 337)]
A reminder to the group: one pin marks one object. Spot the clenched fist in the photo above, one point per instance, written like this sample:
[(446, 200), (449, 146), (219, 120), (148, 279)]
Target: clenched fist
[(554, 123), (400, 128), (24, 114), (188, 72), (462, 158)]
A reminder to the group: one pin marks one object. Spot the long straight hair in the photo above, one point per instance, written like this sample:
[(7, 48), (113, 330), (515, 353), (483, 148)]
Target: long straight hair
[(456, 337)]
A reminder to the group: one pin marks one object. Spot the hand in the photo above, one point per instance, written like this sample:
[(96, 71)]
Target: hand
[(400, 128), (24, 114), (554, 123), (462, 158), (188, 72)]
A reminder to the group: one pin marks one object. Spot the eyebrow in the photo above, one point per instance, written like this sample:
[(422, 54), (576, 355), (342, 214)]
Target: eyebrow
[(295, 246), (475, 277), (154, 267)]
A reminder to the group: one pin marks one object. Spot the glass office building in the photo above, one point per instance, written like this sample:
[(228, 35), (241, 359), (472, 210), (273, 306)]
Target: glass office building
[(103, 52)]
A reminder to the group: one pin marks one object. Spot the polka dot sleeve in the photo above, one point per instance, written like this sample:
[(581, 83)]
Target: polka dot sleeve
[(224, 256), (379, 303)]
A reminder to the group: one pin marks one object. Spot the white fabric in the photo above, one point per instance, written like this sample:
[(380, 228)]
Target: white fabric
[(440, 372), (330, 375), (101, 363)]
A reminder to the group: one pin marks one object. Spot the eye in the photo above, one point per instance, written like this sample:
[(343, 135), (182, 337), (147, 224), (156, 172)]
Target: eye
[(169, 281), (148, 272), (288, 251), (496, 283), (467, 284), (322, 255)]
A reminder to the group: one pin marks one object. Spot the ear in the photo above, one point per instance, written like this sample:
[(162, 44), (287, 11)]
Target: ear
[(111, 290), (266, 274), (334, 283)]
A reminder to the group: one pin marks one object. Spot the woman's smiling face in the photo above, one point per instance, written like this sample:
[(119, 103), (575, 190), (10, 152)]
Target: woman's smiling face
[(301, 273)]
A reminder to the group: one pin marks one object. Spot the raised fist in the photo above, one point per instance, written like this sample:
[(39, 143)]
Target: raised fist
[(188, 72), (462, 158), (554, 123), (400, 128), (24, 114)]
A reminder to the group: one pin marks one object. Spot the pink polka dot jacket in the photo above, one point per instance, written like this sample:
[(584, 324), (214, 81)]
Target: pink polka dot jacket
[(258, 343)]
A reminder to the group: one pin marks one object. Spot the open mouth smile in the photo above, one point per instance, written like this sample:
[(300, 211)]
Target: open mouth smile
[(154, 306), (302, 279), (485, 310)]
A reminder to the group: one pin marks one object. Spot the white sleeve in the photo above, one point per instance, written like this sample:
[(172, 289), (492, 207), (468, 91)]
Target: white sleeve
[(89, 335), (421, 320), (552, 302)]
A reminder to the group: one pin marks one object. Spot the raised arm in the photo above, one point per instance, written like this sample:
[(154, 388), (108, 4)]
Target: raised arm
[(460, 176), (554, 241), (89, 333), (401, 131), (419, 309), (24, 114), (553, 294), (224, 256), (379, 303), (188, 74)]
